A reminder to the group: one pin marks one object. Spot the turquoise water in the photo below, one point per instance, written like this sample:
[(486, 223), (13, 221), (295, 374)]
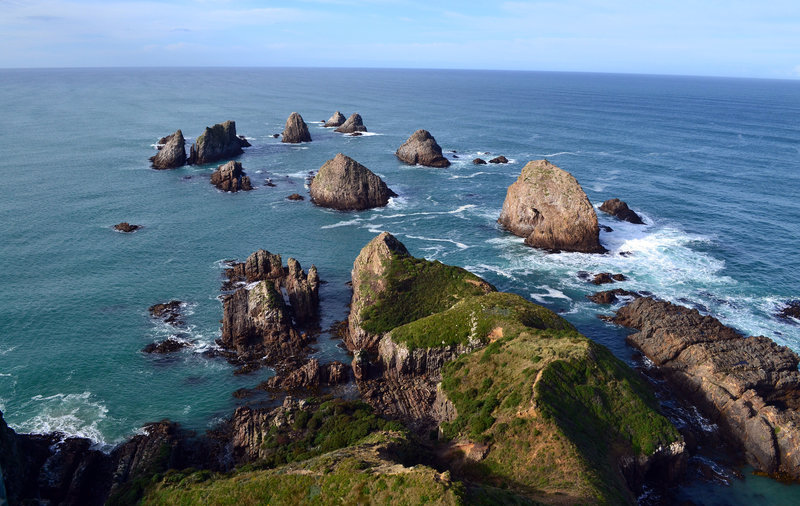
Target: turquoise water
[(713, 165)]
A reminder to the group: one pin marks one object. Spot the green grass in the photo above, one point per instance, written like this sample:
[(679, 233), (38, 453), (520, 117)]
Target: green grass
[(416, 288)]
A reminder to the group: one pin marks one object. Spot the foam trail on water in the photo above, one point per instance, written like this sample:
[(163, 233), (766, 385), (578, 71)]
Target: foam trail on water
[(550, 293), (74, 414), (459, 245)]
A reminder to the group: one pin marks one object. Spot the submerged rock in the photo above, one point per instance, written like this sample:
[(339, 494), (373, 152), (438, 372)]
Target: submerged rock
[(216, 143), (231, 178), (749, 386), (169, 345), (421, 149), (344, 184), (620, 209), (126, 227), (295, 196), (296, 130), (336, 120), (171, 152), (548, 207), (352, 125), (170, 312), (606, 277), (610, 296)]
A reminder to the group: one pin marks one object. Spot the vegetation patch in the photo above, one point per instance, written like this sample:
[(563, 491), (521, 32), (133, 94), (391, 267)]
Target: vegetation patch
[(416, 288)]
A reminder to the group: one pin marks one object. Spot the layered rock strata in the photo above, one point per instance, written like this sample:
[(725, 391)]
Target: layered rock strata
[(344, 184), (749, 386), (215, 143), (548, 207), (421, 149)]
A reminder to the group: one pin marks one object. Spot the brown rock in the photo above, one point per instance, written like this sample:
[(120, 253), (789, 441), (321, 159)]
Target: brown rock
[(231, 178), (303, 292), (166, 346), (295, 196), (499, 159), (126, 227), (343, 183), (310, 376), (606, 277), (170, 312), (792, 310), (620, 209), (548, 207), (479, 161), (171, 152), (749, 386), (336, 120), (352, 125), (421, 148), (296, 130), (610, 296), (216, 143)]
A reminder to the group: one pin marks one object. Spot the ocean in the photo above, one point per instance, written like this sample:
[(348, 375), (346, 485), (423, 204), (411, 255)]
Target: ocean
[(711, 164)]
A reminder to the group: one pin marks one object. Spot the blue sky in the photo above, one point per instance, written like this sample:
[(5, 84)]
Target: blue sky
[(722, 38)]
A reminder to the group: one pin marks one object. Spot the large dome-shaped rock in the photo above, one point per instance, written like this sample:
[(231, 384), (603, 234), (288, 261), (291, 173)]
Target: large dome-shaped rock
[(172, 154), (620, 209), (295, 130), (336, 120), (343, 183), (352, 125), (216, 143), (548, 207), (421, 148), (231, 178)]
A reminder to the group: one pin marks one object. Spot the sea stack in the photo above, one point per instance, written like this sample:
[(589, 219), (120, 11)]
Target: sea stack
[(171, 152), (336, 120), (548, 207), (352, 125), (216, 143), (421, 149), (344, 184), (231, 178), (618, 208), (296, 130)]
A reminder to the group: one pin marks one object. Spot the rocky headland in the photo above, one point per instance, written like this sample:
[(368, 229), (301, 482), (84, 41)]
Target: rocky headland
[(344, 184), (421, 149), (353, 124), (619, 209), (296, 130), (548, 207), (217, 142), (171, 152), (749, 386), (230, 177)]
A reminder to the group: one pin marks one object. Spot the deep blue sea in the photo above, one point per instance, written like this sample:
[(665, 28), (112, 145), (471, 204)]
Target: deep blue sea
[(713, 166)]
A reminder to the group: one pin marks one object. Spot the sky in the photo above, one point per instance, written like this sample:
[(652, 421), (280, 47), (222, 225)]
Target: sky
[(703, 37)]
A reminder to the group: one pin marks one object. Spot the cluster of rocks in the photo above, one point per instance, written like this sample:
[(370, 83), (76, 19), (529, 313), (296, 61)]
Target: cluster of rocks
[(215, 143), (344, 184), (230, 177), (749, 386), (170, 313)]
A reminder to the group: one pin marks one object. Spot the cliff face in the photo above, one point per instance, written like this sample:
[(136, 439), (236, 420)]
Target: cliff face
[(749, 386), (548, 207)]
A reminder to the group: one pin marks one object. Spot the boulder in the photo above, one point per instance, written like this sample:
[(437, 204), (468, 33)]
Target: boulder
[(344, 184), (548, 207), (171, 152), (610, 296), (620, 209), (499, 159), (231, 178), (216, 143), (296, 130), (749, 386), (352, 125), (126, 227), (421, 149), (336, 120), (169, 312), (295, 196), (606, 277), (479, 161)]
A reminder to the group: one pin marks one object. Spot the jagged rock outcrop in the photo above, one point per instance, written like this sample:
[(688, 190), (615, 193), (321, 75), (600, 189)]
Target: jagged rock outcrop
[(421, 149), (256, 322), (344, 184), (171, 152), (548, 207), (618, 208), (231, 178), (499, 159), (791, 310), (126, 227), (296, 130), (603, 278), (310, 376), (216, 143), (169, 312), (353, 124), (749, 386), (611, 296), (479, 161), (337, 119)]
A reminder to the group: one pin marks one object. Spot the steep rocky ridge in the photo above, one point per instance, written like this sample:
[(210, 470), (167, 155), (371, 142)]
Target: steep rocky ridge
[(548, 207)]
